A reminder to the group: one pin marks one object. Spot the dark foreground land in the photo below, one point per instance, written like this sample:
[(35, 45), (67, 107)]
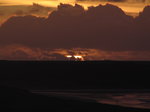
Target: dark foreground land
[(52, 75), (12, 99), (75, 75)]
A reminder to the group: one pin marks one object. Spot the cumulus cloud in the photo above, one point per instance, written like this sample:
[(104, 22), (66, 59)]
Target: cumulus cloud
[(144, 16), (66, 29), (104, 27), (21, 10)]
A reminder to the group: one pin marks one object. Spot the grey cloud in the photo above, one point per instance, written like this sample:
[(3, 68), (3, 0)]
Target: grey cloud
[(102, 27), (8, 11)]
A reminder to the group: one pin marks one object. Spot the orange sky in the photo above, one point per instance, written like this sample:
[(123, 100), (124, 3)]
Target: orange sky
[(8, 8), (130, 6)]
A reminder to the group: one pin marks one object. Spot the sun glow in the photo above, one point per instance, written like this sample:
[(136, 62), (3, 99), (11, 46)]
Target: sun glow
[(69, 56), (78, 57), (75, 57)]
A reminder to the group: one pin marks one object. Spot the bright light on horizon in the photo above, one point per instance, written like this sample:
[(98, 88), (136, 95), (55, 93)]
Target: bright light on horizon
[(75, 57), (69, 56)]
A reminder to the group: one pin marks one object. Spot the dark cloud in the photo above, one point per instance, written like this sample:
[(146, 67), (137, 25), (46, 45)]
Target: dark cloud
[(145, 15), (142, 23), (21, 10), (1, 13), (102, 27), (20, 52), (36, 8)]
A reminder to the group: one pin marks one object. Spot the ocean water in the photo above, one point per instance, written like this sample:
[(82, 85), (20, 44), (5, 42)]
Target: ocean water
[(125, 98)]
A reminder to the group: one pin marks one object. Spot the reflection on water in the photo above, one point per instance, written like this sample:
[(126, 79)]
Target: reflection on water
[(127, 99), (139, 100)]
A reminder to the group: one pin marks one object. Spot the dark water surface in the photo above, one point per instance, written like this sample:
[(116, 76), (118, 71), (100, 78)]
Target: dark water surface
[(125, 98)]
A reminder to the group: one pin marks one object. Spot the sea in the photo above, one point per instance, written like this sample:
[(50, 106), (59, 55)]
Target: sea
[(125, 98)]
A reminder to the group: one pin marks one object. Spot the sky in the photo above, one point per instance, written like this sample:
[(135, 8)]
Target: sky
[(126, 5), (93, 29), (11, 7)]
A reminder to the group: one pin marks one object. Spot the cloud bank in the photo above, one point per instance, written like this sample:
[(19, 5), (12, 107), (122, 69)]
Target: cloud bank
[(20, 52), (21, 10), (105, 28)]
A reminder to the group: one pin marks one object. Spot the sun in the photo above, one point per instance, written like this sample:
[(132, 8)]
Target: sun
[(75, 57)]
